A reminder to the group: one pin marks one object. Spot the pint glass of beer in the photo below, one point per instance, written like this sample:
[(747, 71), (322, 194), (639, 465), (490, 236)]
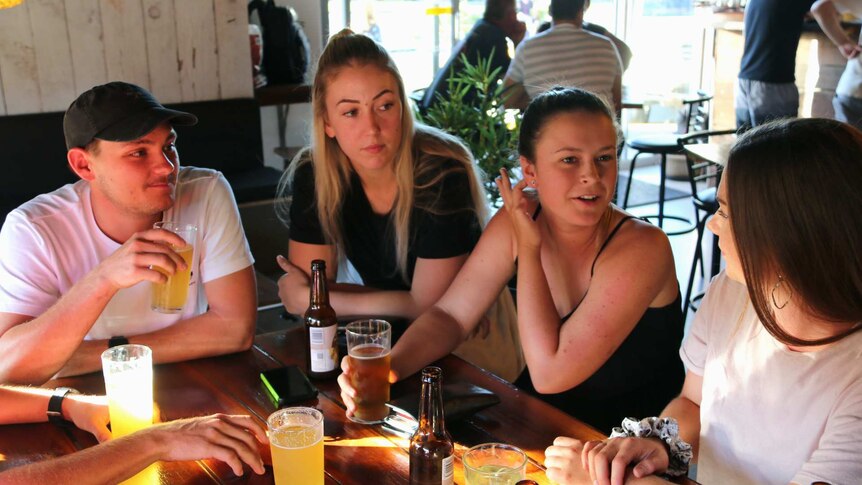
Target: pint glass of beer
[(128, 371), (368, 346), (296, 441), (170, 297)]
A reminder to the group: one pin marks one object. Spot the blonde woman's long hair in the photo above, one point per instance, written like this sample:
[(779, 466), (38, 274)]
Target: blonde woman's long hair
[(423, 154)]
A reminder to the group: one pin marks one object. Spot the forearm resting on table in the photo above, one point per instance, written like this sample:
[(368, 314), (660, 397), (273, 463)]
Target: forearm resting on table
[(433, 336), (35, 349), (348, 299), (687, 414), (110, 462), (206, 335)]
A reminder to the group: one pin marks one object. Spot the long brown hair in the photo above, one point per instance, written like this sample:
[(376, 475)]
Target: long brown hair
[(793, 188), (421, 162)]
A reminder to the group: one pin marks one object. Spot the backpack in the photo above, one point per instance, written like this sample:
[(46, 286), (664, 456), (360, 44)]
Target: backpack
[(285, 45)]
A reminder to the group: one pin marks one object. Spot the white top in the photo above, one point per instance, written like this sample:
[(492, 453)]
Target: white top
[(568, 56), (850, 83), (49, 243), (770, 415)]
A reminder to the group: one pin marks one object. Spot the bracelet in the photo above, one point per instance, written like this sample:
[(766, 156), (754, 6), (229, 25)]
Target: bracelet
[(667, 430), (55, 405)]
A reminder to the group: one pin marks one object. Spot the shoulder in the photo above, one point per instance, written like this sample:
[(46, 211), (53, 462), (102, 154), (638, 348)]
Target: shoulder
[(56, 205), (637, 235)]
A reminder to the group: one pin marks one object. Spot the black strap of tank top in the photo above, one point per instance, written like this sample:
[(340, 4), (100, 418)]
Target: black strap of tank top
[(605, 244)]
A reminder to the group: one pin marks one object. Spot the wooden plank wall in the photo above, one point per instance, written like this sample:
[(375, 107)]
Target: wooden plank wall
[(181, 50)]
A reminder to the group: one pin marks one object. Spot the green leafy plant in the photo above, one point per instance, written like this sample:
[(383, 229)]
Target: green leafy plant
[(474, 112)]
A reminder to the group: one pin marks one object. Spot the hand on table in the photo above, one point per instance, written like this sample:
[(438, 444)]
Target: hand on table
[(516, 205), (293, 286), (608, 461), (227, 438), (89, 413), (133, 262), (348, 392)]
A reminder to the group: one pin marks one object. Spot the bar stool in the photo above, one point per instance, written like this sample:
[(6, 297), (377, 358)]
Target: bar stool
[(696, 119), (705, 203)]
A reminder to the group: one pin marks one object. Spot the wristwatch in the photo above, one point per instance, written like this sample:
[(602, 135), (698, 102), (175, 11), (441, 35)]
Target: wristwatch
[(55, 405), (118, 340)]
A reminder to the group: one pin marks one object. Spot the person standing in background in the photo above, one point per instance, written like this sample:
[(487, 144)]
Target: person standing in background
[(848, 94), (766, 88)]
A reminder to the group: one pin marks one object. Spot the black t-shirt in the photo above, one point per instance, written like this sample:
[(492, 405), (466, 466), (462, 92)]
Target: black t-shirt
[(369, 238), (772, 30)]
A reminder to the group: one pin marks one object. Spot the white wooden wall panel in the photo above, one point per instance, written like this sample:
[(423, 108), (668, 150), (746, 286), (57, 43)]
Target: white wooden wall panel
[(125, 47), (161, 32), (197, 50), (234, 61), (84, 20), (181, 50), (53, 54), (18, 62)]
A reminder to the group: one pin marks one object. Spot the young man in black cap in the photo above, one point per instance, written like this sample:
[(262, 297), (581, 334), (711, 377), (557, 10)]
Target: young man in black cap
[(76, 264)]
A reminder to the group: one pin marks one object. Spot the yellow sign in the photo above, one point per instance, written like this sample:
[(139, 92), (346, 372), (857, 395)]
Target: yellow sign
[(9, 3), (438, 11)]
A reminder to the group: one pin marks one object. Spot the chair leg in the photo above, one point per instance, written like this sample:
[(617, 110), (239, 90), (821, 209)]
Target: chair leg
[(629, 182), (698, 257), (661, 188)]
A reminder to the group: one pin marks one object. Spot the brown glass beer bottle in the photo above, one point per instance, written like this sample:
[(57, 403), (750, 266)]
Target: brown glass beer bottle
[(431, 448), (321, 327)]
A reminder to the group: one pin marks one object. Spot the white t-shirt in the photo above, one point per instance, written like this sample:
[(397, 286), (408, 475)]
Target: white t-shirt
[(850, 83), (49, 243), (770, 415), (567, 56)]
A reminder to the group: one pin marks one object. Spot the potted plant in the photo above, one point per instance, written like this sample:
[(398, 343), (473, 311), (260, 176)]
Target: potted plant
[(474, 112)]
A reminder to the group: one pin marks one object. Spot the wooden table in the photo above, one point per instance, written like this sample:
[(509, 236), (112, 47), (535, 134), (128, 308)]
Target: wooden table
[(715, 152), (354, 453)]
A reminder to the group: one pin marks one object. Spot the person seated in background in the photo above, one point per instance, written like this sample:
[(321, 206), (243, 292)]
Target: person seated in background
[(398, 200), (848, 93), (231, 439), (486, 40), (76, 264), (598, 302), (622, 48), (773, 354), (566, 55)]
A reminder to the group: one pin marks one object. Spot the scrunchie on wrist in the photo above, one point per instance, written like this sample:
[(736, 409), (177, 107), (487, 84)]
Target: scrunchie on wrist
[(667, 430)]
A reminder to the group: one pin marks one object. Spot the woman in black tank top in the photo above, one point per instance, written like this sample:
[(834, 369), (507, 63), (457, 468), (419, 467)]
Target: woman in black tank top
[(598, 303)]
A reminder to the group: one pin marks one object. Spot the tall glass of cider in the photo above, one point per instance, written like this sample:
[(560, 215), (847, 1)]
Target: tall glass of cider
[(296, 440), (170, 297)]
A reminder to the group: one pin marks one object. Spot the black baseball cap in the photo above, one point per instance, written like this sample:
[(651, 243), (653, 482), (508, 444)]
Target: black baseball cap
[(117, 111)]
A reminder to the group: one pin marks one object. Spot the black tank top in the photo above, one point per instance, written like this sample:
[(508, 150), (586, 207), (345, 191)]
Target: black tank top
[(639, 379)]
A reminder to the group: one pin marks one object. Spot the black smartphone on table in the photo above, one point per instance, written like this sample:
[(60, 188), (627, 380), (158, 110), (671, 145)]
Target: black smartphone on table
[(287, 385)]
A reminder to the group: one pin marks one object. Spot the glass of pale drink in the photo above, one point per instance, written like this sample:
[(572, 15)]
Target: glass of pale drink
[(170, 297), (296, 441), (494, 464), (368, 346), (128, 371)]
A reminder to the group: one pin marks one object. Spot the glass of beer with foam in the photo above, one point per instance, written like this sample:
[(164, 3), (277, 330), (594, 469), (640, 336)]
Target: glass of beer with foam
[(296, 441), (368, 345), (170, 297)]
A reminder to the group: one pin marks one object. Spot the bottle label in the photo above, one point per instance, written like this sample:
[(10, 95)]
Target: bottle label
[(323, 347), (448, 468)]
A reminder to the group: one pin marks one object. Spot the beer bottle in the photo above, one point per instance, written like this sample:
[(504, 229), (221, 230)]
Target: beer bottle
[(321, 327), (431, 448)]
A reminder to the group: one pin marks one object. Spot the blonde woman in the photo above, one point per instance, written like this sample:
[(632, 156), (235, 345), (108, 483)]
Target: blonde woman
[(399, 200)]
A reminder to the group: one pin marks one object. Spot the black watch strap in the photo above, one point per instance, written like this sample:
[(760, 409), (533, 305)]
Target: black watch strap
[(118, 340), (55, 405)]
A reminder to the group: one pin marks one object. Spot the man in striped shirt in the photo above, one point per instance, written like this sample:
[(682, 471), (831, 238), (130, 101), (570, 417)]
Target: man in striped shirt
[(565, 55)]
